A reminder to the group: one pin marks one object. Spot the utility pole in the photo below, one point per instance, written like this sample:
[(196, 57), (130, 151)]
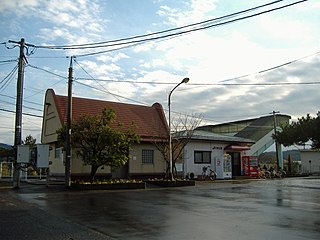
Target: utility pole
[(275, 141), (68, 129), (18, 123)]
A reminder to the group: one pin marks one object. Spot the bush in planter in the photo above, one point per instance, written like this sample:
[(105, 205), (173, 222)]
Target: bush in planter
[(164, 182), (108, 184)]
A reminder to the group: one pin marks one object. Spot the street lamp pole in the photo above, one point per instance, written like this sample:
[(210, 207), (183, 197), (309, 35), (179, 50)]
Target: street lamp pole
[(185, 80)]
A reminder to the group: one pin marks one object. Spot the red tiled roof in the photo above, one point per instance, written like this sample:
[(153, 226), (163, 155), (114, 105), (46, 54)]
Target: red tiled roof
[(149, 122)]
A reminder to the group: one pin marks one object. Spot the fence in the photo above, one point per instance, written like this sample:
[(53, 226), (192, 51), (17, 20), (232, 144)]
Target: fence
[(6, 170)]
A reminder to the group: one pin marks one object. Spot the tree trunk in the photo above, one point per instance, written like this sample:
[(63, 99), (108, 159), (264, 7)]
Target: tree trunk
[(93, 172)]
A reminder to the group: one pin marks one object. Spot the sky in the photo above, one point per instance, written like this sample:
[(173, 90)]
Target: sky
[(239, 67)]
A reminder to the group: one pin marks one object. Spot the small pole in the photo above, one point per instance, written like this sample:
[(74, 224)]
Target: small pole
[(310, 167)]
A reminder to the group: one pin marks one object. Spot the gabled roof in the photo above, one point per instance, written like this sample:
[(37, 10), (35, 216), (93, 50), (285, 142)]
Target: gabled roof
[(253, 128), (210, 136), (149, 121)]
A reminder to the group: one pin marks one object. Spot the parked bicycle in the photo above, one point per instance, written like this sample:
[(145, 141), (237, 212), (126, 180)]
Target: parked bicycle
[(208, 173)]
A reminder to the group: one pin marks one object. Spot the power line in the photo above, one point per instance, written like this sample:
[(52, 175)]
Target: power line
[(35, 103), (47, 71), (7, 79), (206, 84), (132, 100), (96, 81), (113, 94), (133, 43), (27, 114), (8, 61), (31, 108), (72, 46), (273, 68), (149, 37), (222, 82)]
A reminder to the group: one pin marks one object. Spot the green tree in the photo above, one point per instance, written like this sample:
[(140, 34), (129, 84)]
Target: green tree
[(6, 154), (304, 130), (32, 165), (30, 141), (98, 142)]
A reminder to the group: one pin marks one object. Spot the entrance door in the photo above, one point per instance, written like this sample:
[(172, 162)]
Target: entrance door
[(236, 163)]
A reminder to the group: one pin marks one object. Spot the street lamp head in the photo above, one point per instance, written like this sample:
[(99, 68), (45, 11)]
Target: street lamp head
[(185, 80)]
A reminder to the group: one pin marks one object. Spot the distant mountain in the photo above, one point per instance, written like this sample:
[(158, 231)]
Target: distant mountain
[(270, 157), (6, 146), (294, 155)]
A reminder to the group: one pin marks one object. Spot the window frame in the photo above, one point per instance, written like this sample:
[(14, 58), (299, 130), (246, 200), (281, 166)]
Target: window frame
[(147, 156), (57, 152), (202, 155)]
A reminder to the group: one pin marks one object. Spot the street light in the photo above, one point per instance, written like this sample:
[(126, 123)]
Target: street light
[(185, 80)]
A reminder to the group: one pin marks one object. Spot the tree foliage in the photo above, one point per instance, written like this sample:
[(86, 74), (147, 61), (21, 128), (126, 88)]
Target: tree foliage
[(97, 143), (6, 154), (30, 141), (300, 132)]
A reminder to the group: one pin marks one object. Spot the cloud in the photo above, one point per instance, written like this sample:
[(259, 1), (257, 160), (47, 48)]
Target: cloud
[(75, 22), (198, 10), (103, 71), (208, 56), (280, 28), (18, 6), (222, 102), (112, 57), (76, 15)]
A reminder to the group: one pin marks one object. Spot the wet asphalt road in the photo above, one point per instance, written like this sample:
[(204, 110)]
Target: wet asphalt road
[(264, 209)]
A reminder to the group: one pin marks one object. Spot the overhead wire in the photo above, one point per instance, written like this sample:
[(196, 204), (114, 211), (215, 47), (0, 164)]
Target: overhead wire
[(223, 82), (8, 61), (4, 83), (114, 95), (190, 30), (143, 103), (31, 108), (147, 38), (89, 86), (27, 114), (158, 32), (47, 71), (31, 102)]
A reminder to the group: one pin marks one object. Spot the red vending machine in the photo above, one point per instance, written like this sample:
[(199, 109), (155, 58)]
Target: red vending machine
[(250, 166)]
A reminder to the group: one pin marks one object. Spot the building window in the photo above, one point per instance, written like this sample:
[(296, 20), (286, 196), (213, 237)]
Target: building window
[(57, 152), (202, 156), (147, 156)]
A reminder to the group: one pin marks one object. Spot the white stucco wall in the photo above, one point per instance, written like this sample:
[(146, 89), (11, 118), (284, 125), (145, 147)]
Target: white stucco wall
[(217, 156), (310, 161)]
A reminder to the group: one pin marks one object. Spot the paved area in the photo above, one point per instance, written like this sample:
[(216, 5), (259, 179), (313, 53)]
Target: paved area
[(24, 220), (264, 209)]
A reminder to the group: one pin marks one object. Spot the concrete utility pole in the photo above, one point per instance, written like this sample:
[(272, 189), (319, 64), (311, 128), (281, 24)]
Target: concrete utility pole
[(68, 129), (18, 123)]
